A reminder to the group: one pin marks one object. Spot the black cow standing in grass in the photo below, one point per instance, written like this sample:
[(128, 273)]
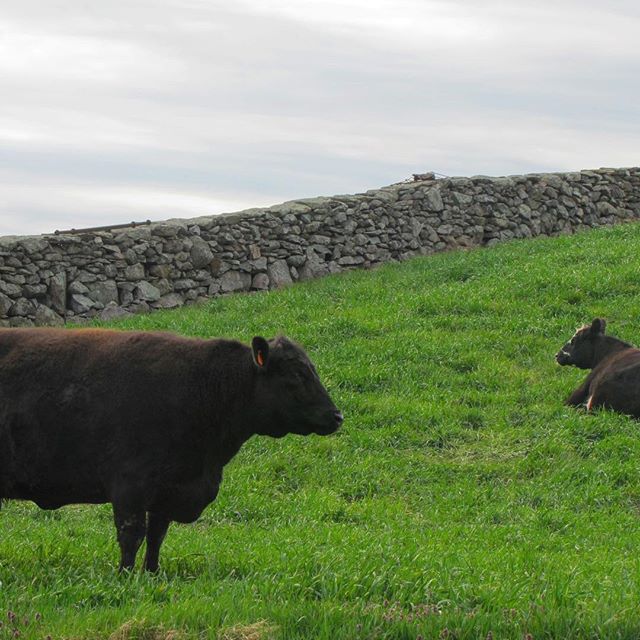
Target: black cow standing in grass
[(145, 421), (614, 381)]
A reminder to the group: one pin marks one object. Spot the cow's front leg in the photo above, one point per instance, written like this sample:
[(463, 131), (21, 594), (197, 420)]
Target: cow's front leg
[(131, 528), (579, 396), (157, 526)]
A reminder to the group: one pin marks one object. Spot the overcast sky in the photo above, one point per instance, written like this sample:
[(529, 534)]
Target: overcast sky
[(112, 111)]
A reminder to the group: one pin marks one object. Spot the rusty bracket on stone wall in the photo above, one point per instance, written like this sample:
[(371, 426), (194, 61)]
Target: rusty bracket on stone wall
[(105, 228)]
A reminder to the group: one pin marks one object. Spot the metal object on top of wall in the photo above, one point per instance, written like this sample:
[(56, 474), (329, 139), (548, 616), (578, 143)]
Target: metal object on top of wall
[(109, 227)]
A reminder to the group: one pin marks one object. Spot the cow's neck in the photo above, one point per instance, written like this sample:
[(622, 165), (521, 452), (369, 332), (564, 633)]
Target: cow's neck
[(232, 439), (608, 346), (229, 388), (230, 445)]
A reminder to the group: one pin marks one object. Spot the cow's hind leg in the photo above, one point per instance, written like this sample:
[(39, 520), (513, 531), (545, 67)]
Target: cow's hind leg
[(131, 528), (157, 526)]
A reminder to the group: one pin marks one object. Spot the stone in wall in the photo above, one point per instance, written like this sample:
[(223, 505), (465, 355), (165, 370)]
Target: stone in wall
[(279, 273)]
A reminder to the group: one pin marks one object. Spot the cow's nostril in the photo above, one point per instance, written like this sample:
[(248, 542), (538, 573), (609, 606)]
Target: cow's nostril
[(339, 417)]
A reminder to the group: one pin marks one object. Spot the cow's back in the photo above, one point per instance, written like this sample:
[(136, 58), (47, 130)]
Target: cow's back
[(83, 409)]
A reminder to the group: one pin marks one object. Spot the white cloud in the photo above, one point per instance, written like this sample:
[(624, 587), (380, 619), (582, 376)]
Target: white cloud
[(79, 206), (202, 105)]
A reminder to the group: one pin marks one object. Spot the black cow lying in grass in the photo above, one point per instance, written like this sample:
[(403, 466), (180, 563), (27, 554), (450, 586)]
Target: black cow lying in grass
[(614, 381), (145, 421)]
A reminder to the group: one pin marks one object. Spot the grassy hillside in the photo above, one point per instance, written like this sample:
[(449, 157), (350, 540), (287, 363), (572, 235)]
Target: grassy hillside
[(460, 499)]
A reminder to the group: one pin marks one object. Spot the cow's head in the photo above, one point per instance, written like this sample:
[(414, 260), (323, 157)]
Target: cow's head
[(289, 397), (581, 349)]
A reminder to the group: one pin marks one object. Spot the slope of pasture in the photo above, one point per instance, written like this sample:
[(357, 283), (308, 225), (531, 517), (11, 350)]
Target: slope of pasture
[(460, 498)]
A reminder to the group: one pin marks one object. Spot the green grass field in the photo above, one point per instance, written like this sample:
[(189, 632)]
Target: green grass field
[(460, 499)]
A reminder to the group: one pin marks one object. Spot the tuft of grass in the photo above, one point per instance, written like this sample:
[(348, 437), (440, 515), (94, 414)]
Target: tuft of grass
[(139, 630), (461, 498), (260, 630)]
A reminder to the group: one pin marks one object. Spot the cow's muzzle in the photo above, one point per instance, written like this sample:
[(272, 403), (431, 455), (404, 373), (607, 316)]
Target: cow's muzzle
[(331, 424)]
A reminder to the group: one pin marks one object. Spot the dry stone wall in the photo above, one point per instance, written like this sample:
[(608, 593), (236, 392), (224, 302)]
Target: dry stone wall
[(49, 279)]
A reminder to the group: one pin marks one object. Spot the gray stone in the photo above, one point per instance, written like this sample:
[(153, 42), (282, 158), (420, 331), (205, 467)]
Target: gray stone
[(9, 289), (606, 209), (201, 254), (294, 207), (104, 292), (138, 233), (161, 270), (461, 199), (320, 239), (260, 281), (165, 230), (445, 230), (296, 260), (314, 267), (140, 306), (80, 303), (235, 281), (170, 301), (22, 307), (20, 321), (433, 200), (416, 227), (34, 290), (279, 274), (183, 285), (58, 292), (12, 277), (350, 261), (172, 246), (146, 291), (5, 304), (134, 272), (113, 311), (34, 245), (524, 211), (78, 287), (86, 278), (45, 317), (259, 264), (164, 286)]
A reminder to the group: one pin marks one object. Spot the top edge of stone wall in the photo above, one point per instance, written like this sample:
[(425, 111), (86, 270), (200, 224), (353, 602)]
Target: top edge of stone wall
[(298, 206)]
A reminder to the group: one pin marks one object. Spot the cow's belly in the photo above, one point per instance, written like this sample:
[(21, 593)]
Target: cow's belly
[(185, 503), (52, 497)]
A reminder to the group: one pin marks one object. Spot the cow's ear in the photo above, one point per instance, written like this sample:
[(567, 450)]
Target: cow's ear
[(598, 326), (260, 349)]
